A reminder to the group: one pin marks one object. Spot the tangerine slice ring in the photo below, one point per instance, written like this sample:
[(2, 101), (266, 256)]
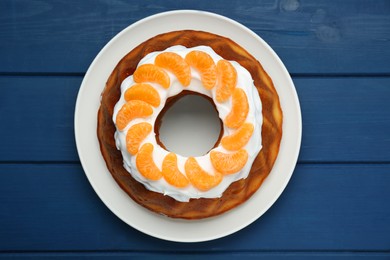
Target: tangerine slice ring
[(165, 74)]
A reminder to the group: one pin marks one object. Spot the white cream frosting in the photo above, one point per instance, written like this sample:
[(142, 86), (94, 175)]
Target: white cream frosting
[(253, 147)]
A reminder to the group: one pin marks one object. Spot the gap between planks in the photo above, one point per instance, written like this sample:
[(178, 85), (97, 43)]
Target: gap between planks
[(293, 75), (298, 163)]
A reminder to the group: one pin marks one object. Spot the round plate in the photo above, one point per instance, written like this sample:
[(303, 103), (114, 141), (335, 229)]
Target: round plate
[(88, 102)]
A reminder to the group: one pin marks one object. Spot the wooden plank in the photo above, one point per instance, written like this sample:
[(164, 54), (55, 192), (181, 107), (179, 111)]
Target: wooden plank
[(38, 113), (216, 256), (50, 207), (345, 119), (310, 36), (342, 118)]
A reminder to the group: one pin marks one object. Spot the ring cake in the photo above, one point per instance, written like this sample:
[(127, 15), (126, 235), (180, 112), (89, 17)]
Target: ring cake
[(147, 81)]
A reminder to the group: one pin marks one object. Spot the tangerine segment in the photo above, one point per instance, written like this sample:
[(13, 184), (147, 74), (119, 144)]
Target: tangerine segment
[(151, 73), (144, 92), (135, 135), (130, 110), (176, 64), (171, 173), (203, 62), (240, 108), (228, 163), (145, 163), (200, 178), (227, 80), (239, 138)]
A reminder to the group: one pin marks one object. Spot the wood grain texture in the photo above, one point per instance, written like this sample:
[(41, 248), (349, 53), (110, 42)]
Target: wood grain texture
[(341, 118), (335, 206), (324, 208), (38, 115), (345, 119), (310, 36)]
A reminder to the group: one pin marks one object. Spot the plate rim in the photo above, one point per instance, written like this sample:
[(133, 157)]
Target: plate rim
[(294, 98)]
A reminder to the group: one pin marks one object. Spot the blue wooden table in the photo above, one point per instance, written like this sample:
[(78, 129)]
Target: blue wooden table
[(337, 202)]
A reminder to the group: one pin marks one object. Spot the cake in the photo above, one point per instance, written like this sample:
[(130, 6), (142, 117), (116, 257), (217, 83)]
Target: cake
[(150, 79)]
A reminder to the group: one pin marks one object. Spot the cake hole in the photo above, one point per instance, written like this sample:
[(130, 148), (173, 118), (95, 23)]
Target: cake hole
[(190, 125)]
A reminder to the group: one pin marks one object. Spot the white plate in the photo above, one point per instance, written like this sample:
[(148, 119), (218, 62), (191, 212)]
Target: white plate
[(88, 102)]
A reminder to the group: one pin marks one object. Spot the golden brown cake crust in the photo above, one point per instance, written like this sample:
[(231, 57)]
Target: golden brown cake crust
[(239, 191)]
